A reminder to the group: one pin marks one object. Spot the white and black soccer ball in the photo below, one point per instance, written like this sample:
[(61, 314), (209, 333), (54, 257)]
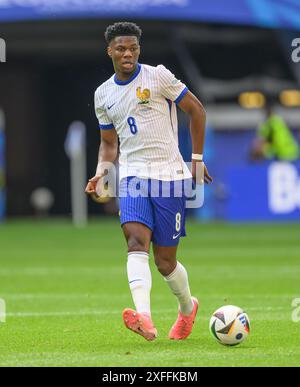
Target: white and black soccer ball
[(229, 325)]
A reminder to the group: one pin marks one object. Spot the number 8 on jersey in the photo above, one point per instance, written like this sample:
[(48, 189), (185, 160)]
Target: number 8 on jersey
[(132, 125)]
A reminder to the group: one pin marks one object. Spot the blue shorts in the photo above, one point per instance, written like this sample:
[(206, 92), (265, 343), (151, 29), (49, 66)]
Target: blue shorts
[(159, 205)]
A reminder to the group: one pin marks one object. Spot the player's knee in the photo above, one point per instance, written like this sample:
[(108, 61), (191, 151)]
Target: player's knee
[(136, 243)]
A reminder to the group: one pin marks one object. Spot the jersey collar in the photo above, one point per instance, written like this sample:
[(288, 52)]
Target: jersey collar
[(134, 75)]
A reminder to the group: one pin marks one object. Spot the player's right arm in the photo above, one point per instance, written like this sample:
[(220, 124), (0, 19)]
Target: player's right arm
[(108, 152), (108, 149)]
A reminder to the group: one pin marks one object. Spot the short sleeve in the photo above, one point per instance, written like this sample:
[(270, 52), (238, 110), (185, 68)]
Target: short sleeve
[(171, 87), (104, 121)]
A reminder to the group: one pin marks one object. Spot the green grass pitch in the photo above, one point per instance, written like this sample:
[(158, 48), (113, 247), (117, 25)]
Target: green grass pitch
[(65, 290)]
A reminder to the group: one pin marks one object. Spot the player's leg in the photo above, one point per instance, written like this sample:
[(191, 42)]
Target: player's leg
[(175, 275), (169, 217), (136, 217), (138, 237)]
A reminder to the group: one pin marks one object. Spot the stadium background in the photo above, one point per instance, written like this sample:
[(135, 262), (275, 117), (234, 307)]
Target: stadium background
[(55, 60)]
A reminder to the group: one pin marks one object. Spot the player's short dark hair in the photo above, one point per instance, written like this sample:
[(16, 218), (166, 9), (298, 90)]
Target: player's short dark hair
[(122, 29)]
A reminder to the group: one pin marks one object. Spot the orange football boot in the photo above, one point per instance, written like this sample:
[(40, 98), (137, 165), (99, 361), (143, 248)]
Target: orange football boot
[(184, 324), (140, 323)]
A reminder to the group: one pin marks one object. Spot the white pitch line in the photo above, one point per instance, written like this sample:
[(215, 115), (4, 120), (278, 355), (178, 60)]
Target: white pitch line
[(36, 296), (60, 314), (40, 271), (73, 313), (22, 296), (116, 312)]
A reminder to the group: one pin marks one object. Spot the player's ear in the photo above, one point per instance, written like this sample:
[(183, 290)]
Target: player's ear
[(109, 53)]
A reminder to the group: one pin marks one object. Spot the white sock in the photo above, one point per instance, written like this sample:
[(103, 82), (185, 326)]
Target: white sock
[(139, 278), (179, 284)]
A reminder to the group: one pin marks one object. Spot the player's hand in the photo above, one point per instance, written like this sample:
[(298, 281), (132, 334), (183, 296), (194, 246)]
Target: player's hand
[(200, 173), (91, 185), (207, 178)]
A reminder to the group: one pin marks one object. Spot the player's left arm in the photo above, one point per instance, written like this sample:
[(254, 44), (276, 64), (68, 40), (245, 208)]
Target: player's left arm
[(195, 110)]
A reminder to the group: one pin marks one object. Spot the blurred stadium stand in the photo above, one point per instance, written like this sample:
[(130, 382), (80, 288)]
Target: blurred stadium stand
[(56, 61)]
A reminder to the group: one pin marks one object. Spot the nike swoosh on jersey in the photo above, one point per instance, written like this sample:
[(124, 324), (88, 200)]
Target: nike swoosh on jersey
[(176, 236), (109, 107)]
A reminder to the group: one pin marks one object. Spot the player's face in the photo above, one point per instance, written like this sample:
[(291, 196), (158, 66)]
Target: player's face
[(124, 52)]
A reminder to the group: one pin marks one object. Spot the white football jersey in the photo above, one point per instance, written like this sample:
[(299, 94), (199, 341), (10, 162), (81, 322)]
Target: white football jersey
[(143, 112)]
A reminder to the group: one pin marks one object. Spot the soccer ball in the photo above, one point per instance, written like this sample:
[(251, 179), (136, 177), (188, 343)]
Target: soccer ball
[(230, 325)]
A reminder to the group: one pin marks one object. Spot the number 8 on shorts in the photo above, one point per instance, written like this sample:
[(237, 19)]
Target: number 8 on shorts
[(178, 222)]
